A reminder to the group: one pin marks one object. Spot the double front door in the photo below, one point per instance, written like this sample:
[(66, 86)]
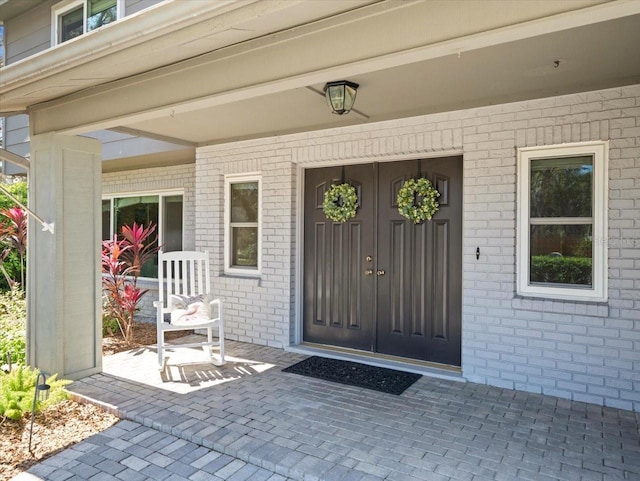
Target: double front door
[(379, 282)]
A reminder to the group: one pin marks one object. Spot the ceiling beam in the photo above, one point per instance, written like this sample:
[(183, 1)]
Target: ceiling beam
[(7, 156), (151, 135)]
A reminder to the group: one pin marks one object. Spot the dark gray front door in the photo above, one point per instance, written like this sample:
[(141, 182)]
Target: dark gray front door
[(378, 282), (338, 295)]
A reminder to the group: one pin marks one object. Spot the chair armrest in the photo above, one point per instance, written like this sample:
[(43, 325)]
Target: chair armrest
[(218, 303)]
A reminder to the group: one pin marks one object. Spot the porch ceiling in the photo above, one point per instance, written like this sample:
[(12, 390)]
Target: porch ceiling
[(411, 57), (601, 55)]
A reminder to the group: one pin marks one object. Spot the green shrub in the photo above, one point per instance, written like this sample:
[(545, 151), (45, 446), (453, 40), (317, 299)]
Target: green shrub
[(12, 263), (561, 270), (17, 390), (110, 326), (18, 190), (13, 315)]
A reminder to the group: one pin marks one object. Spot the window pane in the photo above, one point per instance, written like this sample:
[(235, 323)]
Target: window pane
[(100, 12), (244, 246), (70, 24), (106, 220), (562, 187), (172, 223), (142, 210), (562, 254), (244, 202)]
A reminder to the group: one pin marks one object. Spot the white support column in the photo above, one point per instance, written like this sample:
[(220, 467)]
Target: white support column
[(64, 330)]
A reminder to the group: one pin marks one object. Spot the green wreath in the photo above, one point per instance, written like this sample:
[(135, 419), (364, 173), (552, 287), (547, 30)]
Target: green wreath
[(340, 202), (417, 200)]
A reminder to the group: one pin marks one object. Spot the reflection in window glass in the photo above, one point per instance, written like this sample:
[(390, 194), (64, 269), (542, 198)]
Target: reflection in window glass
[(100, 12), (106, 219), (561, 207), (244, 248), (561, 254), (172, 240), (244, 202), (243, 228), (561, 187), (70, 24), (141, 210)]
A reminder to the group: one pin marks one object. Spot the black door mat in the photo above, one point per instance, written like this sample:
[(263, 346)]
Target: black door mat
[(380, 379)]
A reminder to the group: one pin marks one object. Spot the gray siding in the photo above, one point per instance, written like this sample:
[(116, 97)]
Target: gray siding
[(116, 145), (16, 140), (25, 35), (134, 6), (29, 33)]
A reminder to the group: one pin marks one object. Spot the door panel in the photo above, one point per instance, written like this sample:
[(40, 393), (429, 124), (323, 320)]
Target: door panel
[(338, 296), (419, 295), (406, 300)]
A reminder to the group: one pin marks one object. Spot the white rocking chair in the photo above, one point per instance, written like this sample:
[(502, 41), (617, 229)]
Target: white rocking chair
[(184, 295)]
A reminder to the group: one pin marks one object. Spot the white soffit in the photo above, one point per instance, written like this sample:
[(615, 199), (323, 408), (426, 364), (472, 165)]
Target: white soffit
[(410, 57), (160, 35), (596, 56)]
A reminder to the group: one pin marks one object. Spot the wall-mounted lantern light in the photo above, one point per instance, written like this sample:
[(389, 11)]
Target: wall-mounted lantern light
[(340, 96)]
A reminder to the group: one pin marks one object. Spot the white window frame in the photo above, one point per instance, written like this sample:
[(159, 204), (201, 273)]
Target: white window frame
[(66, 6), (239, 179), (600, 152), (160, 226)]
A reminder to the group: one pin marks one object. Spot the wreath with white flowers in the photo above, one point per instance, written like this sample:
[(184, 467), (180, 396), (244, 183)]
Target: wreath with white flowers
[(340, 202), (417, 200)]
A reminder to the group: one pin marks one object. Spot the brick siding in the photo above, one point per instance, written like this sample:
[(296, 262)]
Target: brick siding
[(577, 350)]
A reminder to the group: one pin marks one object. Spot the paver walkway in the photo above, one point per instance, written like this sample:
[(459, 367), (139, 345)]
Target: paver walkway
[(257, 420)]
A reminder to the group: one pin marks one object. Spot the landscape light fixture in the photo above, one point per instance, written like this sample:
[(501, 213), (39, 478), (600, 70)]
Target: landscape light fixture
[(41, 394), (340, 96)]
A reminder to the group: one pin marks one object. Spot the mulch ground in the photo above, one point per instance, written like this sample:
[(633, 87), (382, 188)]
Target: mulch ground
[(67, 423)]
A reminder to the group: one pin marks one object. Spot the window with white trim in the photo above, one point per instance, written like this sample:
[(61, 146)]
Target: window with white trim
[(242, 234), (562, 223), (164, 210), (73, 18)]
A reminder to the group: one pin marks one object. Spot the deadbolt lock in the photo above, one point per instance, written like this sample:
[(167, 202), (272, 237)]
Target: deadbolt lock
[(369, 258)]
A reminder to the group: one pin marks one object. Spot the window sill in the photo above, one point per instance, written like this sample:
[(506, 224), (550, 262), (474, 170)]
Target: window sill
[(585, 307), (241, 275), (562, 293)]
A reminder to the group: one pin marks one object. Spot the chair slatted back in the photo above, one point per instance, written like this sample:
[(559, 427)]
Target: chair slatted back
[(184, 273)]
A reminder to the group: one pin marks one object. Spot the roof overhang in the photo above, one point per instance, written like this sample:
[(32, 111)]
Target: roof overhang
[(12, 8), (255, 68)]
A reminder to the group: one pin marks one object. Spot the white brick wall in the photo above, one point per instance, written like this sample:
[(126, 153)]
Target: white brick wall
[(256, 310), (586, 352), (178, 177)]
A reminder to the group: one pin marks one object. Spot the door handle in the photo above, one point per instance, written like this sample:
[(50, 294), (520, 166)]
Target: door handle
[(380, 272), (368, 272)]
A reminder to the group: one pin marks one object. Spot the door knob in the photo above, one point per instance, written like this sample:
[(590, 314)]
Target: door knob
[(381, 272), (368, 272)]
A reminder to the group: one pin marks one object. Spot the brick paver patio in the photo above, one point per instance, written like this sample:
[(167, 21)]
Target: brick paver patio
[(249, 421)]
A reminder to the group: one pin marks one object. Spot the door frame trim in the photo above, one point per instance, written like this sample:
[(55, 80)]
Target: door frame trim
[(301, 167)]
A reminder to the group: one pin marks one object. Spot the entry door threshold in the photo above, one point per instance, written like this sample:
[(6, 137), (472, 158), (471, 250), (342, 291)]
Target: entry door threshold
[(424, 368)]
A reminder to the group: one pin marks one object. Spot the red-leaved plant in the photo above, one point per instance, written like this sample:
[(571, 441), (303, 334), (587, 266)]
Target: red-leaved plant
[(13, 238), (122, 261)]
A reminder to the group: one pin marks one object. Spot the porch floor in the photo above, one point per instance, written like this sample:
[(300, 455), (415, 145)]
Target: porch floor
[(248, 420)]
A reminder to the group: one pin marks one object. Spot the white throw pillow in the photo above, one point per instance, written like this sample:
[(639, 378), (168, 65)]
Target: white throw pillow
[(190, 310)]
